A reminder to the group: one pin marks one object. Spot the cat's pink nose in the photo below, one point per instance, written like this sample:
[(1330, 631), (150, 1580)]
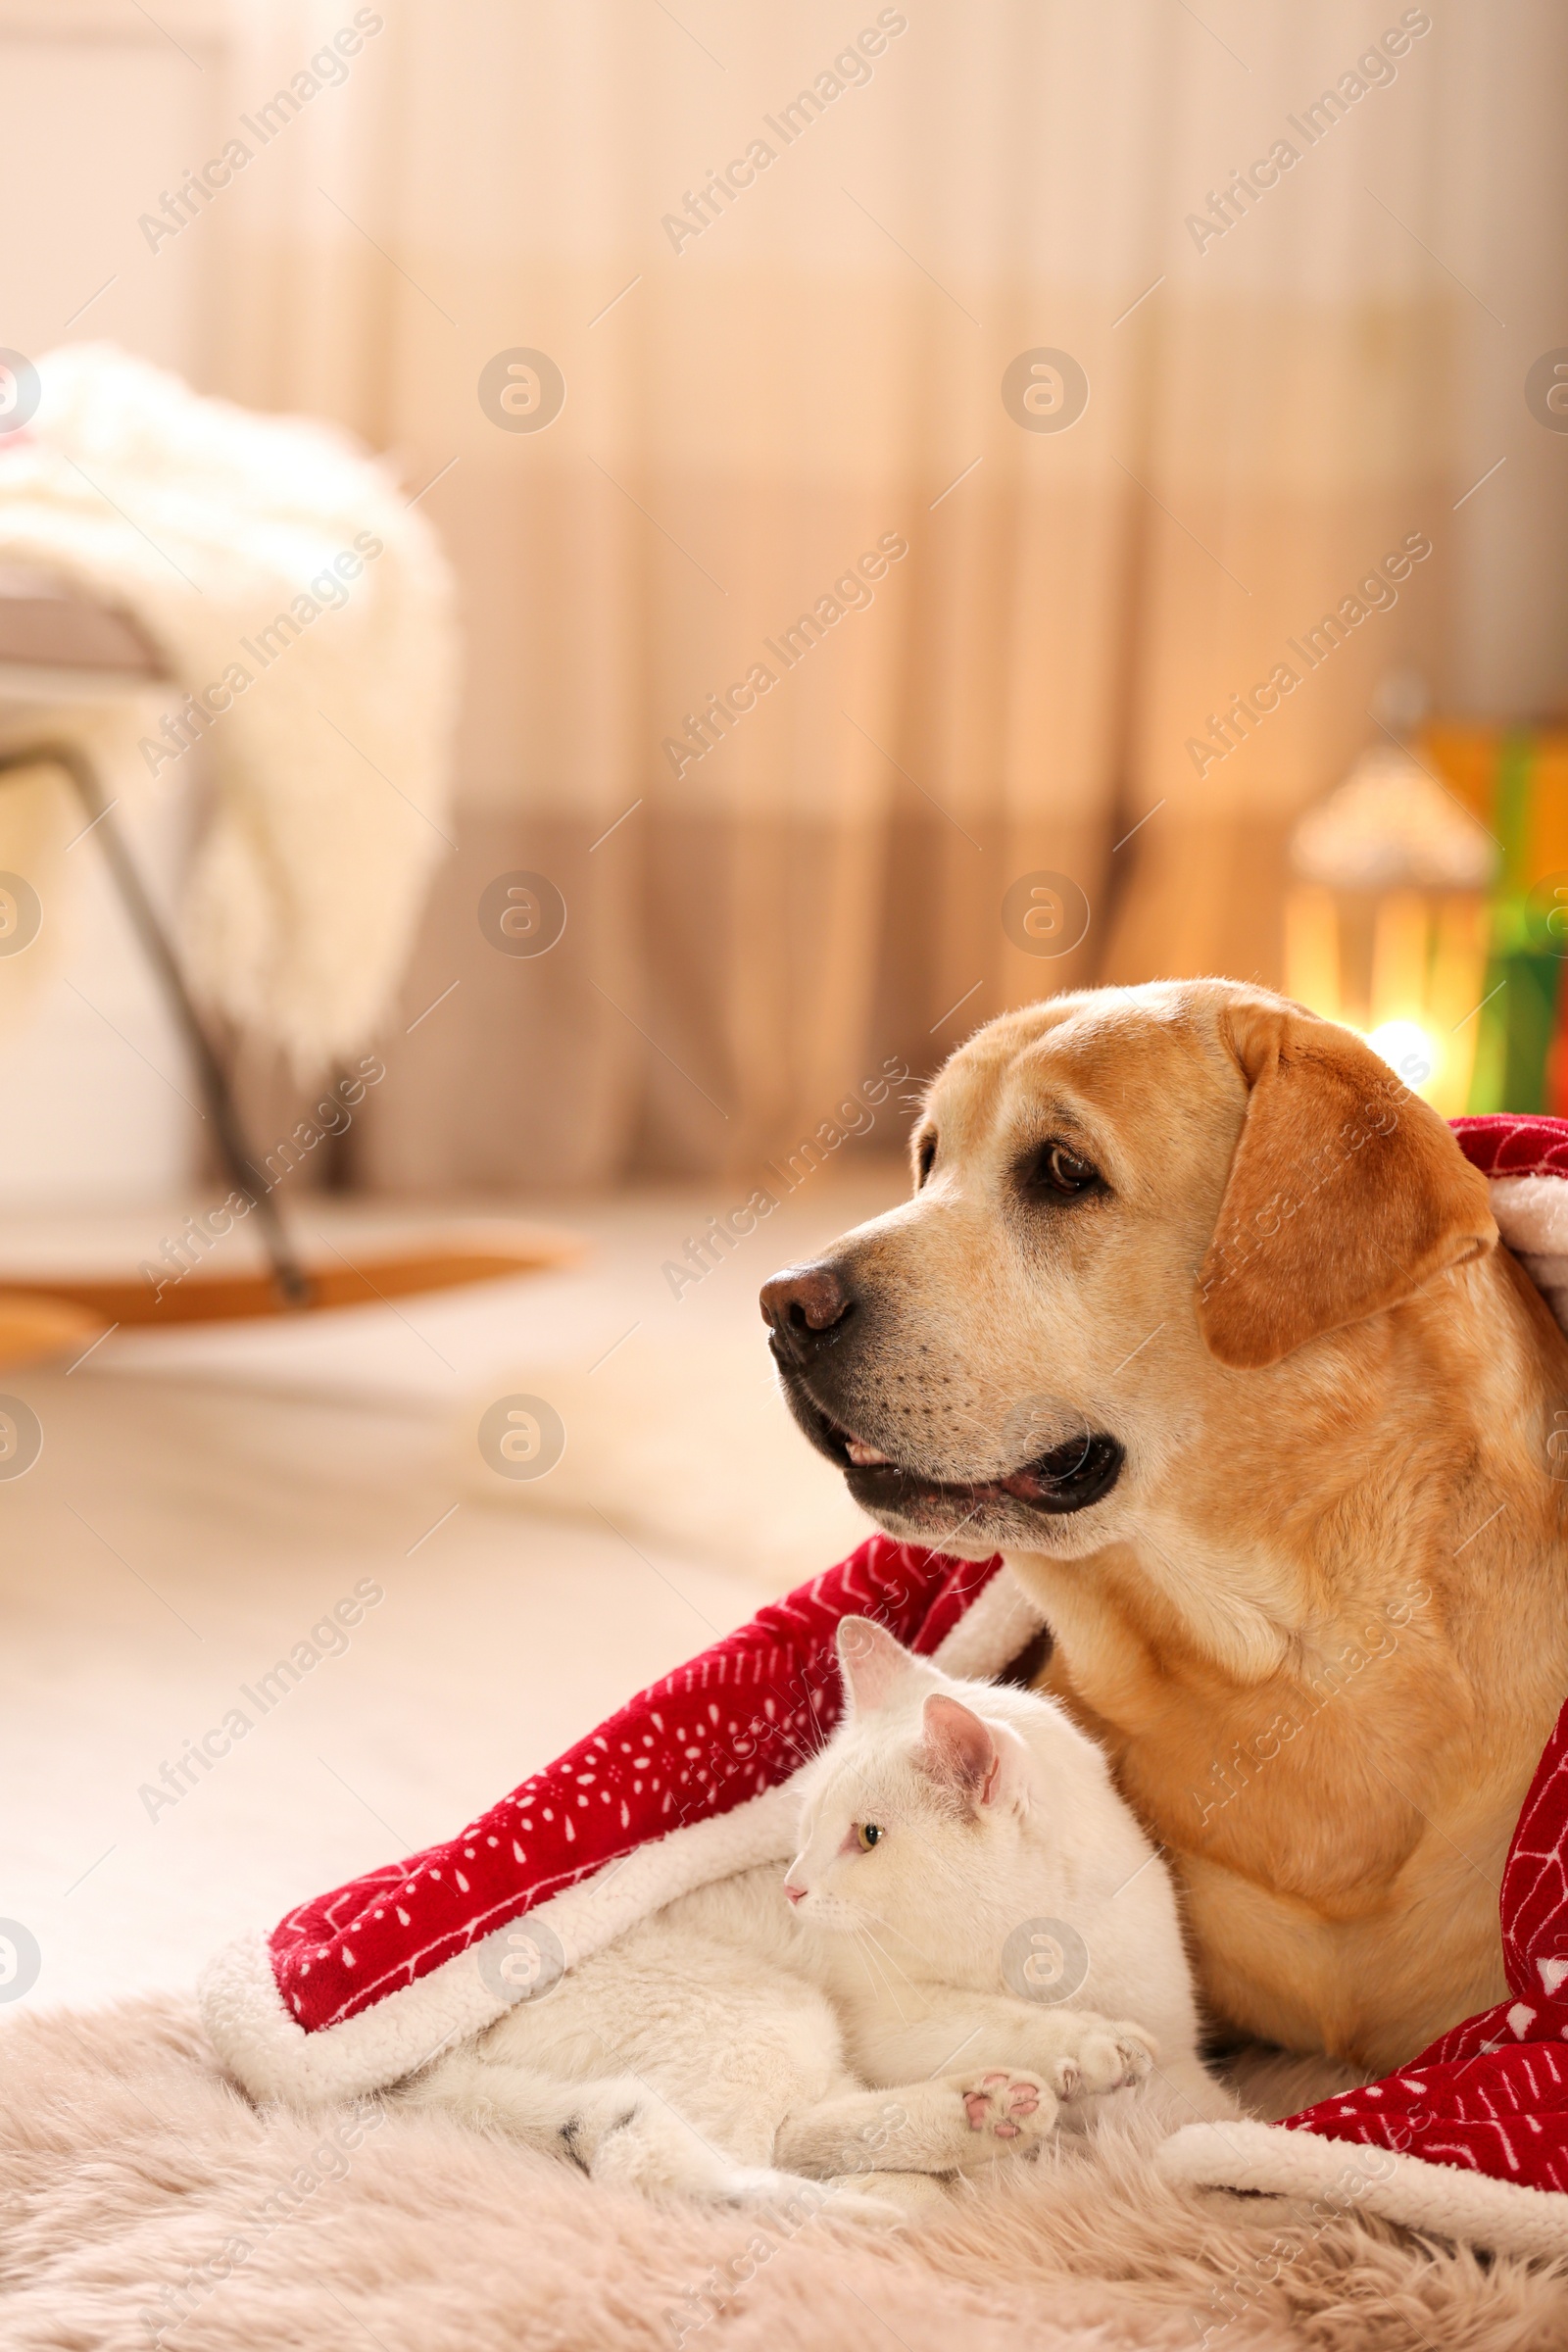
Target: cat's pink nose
[(795, 1893)]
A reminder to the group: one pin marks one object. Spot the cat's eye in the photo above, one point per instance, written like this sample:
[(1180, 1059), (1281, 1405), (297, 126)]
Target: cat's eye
[(1059, 1172), (926, 1156), (867, 1835)]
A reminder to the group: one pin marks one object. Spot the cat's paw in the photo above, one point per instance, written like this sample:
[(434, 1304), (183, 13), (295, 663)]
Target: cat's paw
[(1008, 2110), (1107, 2055)]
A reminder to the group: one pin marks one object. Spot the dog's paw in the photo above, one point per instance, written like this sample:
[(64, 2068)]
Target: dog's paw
[(1105, 2055), (1008, 2111)]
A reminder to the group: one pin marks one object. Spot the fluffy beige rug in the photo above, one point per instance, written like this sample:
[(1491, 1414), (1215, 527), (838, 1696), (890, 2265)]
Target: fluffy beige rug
[(143, 2201)]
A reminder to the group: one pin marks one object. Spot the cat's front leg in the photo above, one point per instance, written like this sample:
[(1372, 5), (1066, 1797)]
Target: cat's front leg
[(1076, 2050), (1090, 2052), (951, 2125)]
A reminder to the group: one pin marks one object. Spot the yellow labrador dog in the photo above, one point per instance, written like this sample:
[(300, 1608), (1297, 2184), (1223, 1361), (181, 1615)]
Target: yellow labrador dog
[(1202, 1318)]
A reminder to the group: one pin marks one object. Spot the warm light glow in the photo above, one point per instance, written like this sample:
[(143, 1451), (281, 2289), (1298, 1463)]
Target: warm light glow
[(1415, 999), (1407, 1049)]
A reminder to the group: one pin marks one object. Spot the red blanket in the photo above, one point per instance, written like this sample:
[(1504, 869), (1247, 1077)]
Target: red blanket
[(690, 1780), (1470, 2138), (686, 1784), (721, 1729)]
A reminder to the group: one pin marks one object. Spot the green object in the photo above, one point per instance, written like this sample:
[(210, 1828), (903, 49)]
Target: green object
[(1517, 1029), (1519, 1010)]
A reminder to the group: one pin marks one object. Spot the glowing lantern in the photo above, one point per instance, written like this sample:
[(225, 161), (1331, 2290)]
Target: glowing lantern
[(1386, 921)]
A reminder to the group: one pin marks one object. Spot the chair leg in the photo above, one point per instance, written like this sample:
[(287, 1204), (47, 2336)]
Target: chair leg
[(289, 1278)]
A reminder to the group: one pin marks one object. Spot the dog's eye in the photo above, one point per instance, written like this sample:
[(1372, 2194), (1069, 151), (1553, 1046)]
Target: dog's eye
[(867, 1835), (1056, 1170), (927, 1156)]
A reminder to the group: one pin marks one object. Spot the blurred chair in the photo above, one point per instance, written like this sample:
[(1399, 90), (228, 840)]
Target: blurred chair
[(63, 653)]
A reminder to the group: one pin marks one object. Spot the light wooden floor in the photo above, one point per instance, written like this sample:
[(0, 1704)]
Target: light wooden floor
[(202, 1502)]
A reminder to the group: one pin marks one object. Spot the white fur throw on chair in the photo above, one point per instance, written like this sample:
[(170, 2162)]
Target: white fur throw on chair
[(305, 611)]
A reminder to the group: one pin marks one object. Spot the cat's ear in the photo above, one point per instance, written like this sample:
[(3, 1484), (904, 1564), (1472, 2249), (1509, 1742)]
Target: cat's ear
[(871, 1663), (960, 1749)]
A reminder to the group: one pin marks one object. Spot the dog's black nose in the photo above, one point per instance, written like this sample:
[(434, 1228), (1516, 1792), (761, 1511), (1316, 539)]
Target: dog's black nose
[(806, 1307)]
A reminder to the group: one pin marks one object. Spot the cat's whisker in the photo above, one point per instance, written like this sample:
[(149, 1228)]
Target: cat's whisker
[(802, 1752), (810, 1700), (802, 1748), (890, 1992), (868, 1913), (890, 1969), (874, 1945), (857, 1946), (807, 1749), (891, 1929)]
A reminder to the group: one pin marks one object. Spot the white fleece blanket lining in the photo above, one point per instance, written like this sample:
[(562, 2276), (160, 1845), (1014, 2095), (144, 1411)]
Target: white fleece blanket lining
[(273, 2056)]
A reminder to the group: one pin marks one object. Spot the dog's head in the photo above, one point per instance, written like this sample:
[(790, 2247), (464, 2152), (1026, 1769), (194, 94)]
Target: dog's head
[(1127, 1203)]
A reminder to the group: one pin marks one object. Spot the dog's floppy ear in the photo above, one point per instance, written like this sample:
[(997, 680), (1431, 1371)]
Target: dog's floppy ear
[(1347, 1193)]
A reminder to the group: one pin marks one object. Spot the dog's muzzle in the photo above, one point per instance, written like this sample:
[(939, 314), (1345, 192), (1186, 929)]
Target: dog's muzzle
[(811, 1311)]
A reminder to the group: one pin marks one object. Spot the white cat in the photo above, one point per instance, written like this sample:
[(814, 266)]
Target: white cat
[(900, 2005)]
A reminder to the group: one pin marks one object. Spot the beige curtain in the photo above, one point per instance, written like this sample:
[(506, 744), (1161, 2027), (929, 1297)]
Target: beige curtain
[(767, 381)]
